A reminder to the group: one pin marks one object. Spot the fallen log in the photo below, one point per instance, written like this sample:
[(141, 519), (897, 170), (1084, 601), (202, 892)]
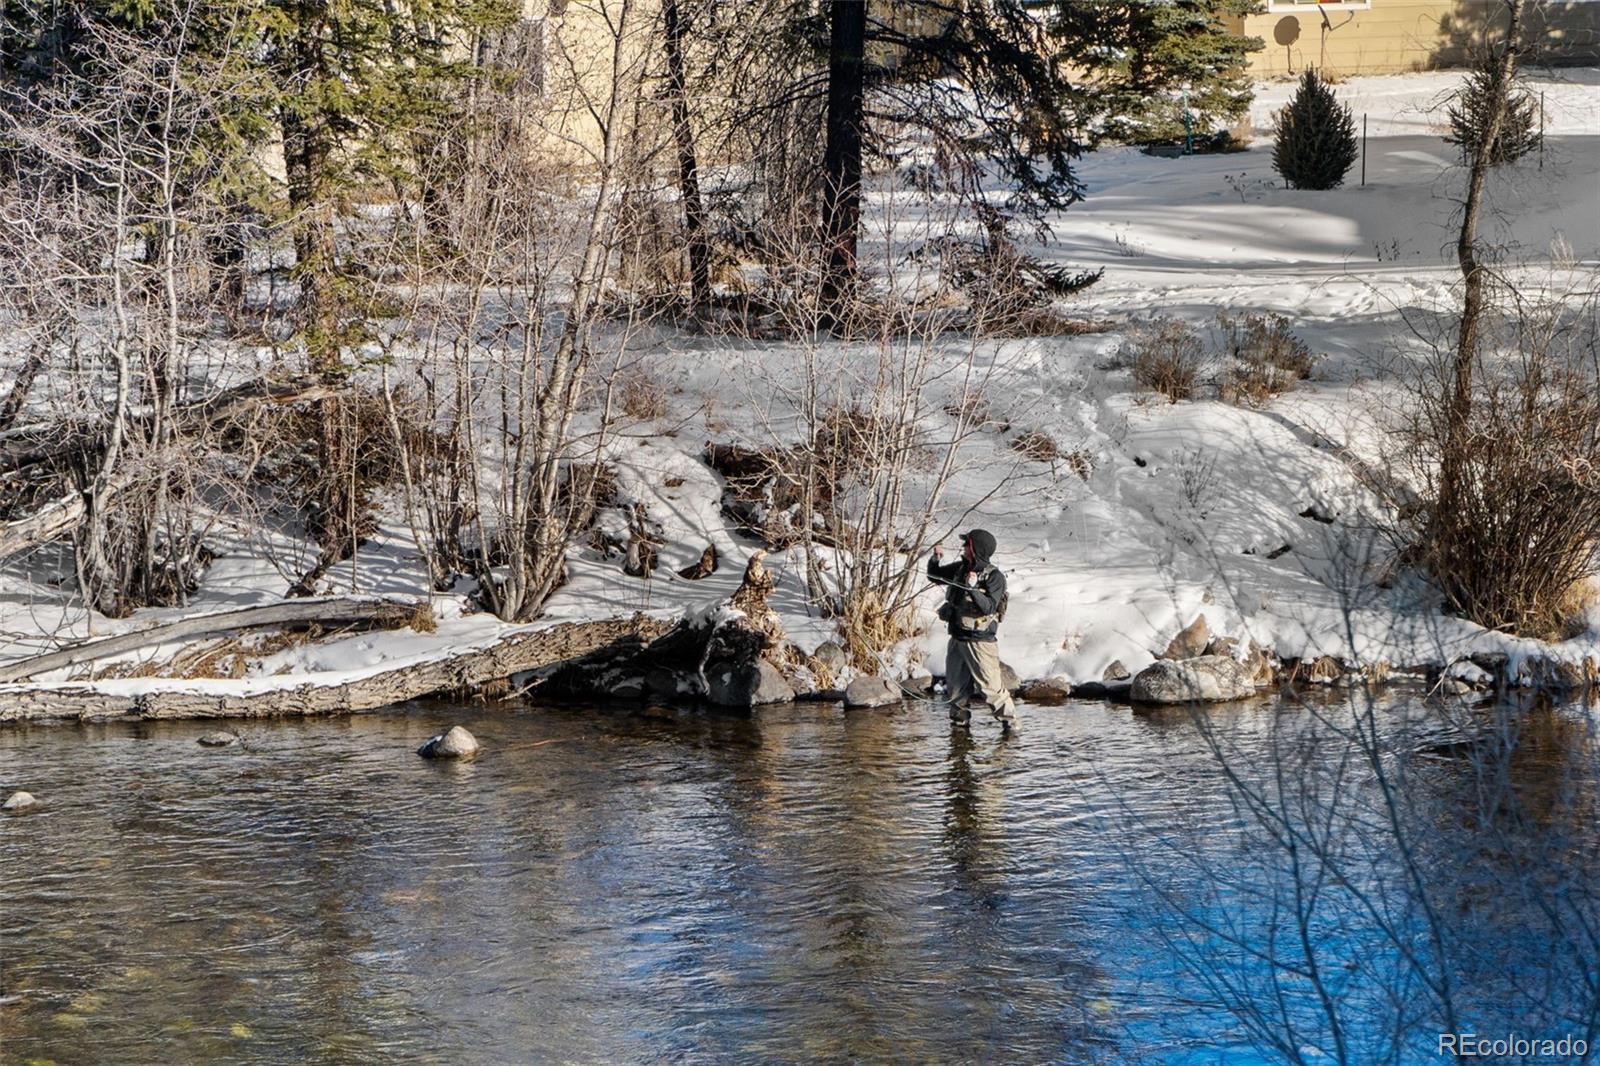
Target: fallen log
[(55, 519), (378, 614), (460, 671)]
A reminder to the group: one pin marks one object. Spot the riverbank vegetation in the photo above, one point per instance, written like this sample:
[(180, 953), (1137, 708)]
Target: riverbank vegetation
[(551, 319)]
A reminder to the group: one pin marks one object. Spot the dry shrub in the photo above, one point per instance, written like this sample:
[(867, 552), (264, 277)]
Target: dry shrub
[(1267, 339), (1167, 357), (1575, 606), (641, 395), (972, 409), (286, 440), (1517, 531), (1039, 447), (851, 441), (1081, 462), (868, 623)]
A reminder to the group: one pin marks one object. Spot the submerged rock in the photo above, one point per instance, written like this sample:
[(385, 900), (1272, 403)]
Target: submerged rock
[(747, 685), (871, 692), (1208, 679), (454, 743), (18, 800), (220, 739)]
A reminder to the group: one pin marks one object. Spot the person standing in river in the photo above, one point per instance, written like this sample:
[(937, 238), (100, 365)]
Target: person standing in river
[(974, 605)]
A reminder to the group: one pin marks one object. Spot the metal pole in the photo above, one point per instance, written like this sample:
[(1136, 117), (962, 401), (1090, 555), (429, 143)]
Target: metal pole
[(1363, 149), (1541, 129), (1188, 124)]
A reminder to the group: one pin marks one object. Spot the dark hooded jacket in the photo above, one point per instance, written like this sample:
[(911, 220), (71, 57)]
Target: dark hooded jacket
[(971, 610)]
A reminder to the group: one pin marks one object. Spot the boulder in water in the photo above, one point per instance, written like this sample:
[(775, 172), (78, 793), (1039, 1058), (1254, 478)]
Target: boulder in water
[(220, 739), (453, 743), (871, 692), (18, 801), (748, 684), (1207, 679)]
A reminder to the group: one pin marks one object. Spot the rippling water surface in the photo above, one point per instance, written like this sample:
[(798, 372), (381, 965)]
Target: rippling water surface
[(619, 885)]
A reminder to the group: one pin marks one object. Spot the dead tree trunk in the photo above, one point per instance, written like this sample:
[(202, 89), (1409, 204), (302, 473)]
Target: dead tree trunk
[(383, 614), (486, 667)]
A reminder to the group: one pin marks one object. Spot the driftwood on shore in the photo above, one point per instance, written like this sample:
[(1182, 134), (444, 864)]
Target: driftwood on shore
[(458, 672), (378, 614)]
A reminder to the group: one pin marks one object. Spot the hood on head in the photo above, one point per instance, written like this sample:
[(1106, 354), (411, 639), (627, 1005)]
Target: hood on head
[(983, 545)]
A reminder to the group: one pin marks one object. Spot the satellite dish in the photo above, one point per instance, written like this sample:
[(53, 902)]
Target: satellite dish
[(1287, 31)]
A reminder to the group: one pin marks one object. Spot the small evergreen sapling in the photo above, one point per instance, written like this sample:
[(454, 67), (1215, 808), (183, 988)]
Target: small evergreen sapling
[(1316, 137), (1472, 107)]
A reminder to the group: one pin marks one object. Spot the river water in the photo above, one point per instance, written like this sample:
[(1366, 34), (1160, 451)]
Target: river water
[(1328, 880)]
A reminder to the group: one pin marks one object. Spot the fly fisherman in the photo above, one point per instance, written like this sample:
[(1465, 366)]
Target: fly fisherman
[(974, 604)]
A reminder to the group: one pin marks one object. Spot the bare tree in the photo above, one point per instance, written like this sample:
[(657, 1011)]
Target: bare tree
[(115, 196)]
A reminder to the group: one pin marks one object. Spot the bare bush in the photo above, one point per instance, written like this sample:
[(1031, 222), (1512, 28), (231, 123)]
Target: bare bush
[(1166, 356), (113, 205), (1265, 358), (1520, 528), (517, 364), (1036, 445)]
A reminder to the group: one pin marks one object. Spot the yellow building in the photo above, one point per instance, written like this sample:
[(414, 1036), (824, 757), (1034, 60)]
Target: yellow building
[(1389, 36)]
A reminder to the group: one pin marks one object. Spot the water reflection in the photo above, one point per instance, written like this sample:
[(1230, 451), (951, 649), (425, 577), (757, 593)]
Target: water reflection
[(797, 885)]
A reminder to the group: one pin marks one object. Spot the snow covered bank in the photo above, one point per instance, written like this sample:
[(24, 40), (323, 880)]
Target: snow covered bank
[(1257, 518)]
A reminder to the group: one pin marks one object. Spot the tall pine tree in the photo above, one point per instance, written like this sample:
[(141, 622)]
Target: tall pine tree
[(1136, 56)]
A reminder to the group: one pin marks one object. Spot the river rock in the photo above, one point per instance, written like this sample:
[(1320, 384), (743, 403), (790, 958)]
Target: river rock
[(1115, 672), (750, 684), (220, 739), (820, 695), (1208, 679), (454, 743), (18, 800), (1051, 690), (832, 655), (871, 692), (1191, 641), (1009, 678)]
